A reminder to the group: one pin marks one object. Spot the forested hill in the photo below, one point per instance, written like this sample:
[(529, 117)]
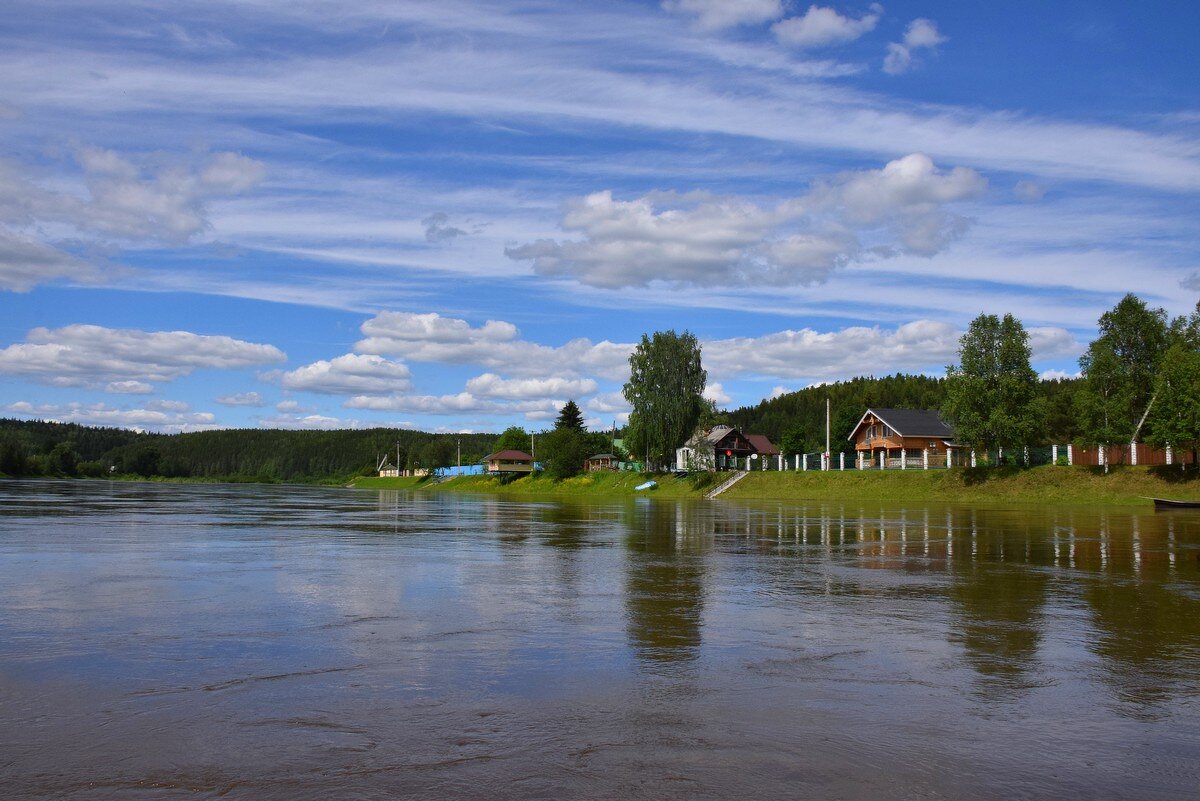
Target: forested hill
[(797, 419), (43, 448)]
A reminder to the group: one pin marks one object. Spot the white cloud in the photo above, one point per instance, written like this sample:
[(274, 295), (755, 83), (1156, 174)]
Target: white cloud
[(921, 345), (166, 417), (494, 346), (920, 34), (490, 385), (714, 15), (1058, 375), (242, 399), (462, 402), (294, 407), (26, 262), (318, 422), (608, 403), (349, 374), (130, 388), (147, 198), (150, 199), (168, 406), (701, 240), (822, 26), (716, 393), (94, 356)]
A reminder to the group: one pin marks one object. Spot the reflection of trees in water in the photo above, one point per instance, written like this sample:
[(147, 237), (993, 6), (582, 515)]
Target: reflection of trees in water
[(997, 599), (1149, 638), (664, 581)]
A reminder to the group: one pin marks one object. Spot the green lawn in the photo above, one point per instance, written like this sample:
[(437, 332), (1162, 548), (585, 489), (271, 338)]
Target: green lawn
[(1048, 484)]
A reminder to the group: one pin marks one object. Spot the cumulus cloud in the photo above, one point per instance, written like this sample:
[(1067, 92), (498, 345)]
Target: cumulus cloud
[(822, 27), (494, 346), (349, 374), (920, 34), (242, 399), (712, 15), (716, 393), (150, 198), (702, 240), (835, 355), (94, 356), (165, 417), (490, 385), (147, 198)]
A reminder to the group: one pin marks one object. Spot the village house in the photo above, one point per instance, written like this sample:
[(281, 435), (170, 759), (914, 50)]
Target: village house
[(509, 461), (901, 437), (725, 448), (602, 461)]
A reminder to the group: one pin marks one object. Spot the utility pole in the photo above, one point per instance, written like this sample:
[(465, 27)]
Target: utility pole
[(828, 455), (460, 453), (532, 452)]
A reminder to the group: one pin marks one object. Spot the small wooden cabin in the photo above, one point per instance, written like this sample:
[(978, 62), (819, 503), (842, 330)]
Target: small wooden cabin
[(508, 462), (884, 434), (602, 461)]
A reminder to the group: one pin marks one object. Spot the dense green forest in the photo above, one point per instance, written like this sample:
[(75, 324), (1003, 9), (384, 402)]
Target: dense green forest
[(796, 421), (66, 449)]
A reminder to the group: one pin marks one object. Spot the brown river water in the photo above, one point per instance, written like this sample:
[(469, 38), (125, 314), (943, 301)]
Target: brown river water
[(248, 642)]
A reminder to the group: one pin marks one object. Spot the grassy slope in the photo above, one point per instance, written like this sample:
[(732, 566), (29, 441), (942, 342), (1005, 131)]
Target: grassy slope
[(1053, 485), (1048, 484)]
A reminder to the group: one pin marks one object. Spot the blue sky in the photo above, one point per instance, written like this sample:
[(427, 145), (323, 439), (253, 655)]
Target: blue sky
[(457, 215)]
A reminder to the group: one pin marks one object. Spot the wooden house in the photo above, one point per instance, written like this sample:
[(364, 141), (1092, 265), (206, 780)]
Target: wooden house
[(886, 437), (508, 462), (602, 461), (724, 448)]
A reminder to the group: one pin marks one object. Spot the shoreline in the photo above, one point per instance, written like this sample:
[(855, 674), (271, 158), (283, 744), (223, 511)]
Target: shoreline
[(1122, 486)]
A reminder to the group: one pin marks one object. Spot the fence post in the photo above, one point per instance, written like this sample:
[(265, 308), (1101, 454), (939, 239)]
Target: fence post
[(925, 459), (904, 458), (1133, 453), (1054, 454), (1025, 454), (804, 457), (842, 460), (1169, 454), (1070, 454), (949, 458), (972, 457)]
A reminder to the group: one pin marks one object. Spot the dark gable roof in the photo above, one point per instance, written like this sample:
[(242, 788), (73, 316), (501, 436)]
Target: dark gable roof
[(509, 456), (912, 422), (762, 444)]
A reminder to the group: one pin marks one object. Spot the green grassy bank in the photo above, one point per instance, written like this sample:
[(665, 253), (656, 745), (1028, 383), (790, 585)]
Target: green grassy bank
[(1125, 486)]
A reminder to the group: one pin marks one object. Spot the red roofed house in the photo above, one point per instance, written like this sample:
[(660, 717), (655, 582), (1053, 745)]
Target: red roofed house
[(508, 462)]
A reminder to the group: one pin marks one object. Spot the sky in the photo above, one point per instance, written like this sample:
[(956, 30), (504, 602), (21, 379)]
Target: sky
[(456, 215)]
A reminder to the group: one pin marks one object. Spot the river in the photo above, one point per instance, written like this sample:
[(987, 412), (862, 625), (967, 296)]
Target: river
[(257, 642)]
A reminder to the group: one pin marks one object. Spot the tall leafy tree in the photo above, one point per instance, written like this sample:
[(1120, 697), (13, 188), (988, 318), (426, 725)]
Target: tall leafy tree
[(514, 438), (992, 395), (665, 388), (1175, 417), (1120, 368), (570, 417)]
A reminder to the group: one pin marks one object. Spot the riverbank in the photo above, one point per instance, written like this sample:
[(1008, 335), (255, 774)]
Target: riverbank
[(1122, 486)]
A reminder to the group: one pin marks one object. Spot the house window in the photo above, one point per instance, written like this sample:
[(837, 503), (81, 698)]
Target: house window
[(932, 445)]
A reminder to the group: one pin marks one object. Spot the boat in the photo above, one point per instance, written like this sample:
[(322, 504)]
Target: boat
[(1161, 504), (646, 486)]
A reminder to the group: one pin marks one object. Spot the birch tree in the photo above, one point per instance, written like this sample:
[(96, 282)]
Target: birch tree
[(665, 389)]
